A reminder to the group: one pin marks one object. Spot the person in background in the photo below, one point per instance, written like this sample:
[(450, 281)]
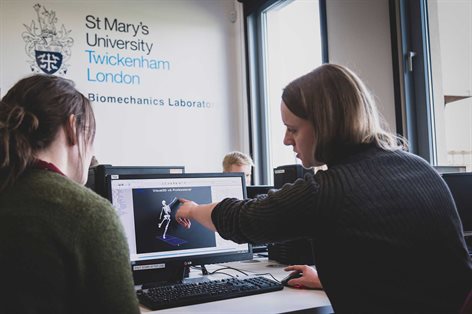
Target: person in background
[(386, 234), (238, 162), (62, 247)]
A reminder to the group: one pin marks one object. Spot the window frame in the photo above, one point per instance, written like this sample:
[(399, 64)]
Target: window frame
[(412, 76), (256, 72)]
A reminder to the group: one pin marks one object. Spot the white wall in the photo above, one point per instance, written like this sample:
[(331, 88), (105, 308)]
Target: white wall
[(207, 54), (359, 38), (202, 46)]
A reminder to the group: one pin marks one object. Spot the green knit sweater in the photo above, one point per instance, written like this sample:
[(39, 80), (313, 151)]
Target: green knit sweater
[(62, 250)]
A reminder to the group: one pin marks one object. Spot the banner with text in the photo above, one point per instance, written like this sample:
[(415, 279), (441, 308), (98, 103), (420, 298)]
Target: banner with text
[(162, 75)]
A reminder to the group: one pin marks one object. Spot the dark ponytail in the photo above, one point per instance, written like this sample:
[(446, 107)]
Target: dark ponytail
[(31, 114), (15, 150)]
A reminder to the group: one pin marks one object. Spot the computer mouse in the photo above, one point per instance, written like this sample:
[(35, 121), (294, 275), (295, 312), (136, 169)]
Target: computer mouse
[(291, 276)]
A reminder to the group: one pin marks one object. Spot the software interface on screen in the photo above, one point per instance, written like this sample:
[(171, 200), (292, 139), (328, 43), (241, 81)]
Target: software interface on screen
[(147, 206)]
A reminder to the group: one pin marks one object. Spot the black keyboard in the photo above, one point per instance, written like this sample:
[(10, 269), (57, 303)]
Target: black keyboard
[(163, 297)]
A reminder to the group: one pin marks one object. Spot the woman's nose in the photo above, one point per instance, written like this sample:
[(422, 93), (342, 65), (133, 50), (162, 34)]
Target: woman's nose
[(287, 139)]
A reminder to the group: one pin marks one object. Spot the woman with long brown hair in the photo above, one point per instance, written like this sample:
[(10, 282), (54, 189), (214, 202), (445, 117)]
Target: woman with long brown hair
[(386, 235), (62, 248)]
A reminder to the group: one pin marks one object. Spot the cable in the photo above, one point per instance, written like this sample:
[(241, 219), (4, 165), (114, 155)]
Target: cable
[(202, 268), (267, 274), (219, 271), (228, 267)]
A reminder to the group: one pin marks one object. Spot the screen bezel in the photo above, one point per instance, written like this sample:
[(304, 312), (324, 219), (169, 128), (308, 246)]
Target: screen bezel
[(175, 266), (101, 172)]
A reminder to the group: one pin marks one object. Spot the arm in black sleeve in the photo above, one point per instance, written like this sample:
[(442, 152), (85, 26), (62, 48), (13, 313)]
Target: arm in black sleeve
[(283, 215)]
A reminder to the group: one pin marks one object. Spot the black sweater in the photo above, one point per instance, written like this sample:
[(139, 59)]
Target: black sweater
[(386, 234)]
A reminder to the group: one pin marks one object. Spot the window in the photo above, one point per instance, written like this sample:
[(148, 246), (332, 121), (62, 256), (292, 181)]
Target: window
[(286, 42), (293, 48), (450, 33), (436, 59)]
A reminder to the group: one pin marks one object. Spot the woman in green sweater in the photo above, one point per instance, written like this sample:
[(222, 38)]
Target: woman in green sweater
[(62, 248)]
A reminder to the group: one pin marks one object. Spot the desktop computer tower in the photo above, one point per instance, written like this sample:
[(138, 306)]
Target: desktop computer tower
[(296, 251)]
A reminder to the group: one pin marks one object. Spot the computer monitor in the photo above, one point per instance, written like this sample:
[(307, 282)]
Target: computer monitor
[(98, 176), (289, 173), (160, 248), (460, 184)]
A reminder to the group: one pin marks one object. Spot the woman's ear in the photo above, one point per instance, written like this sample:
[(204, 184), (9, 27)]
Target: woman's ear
[(70, 129)]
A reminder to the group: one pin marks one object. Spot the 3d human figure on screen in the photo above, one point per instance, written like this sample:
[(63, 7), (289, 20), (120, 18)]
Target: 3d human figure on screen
[(166, 210)]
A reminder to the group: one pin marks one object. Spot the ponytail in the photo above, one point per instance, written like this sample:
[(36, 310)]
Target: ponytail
[(16, 154)]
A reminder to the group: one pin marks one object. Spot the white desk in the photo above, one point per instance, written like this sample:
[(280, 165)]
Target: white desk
[(286, 300)]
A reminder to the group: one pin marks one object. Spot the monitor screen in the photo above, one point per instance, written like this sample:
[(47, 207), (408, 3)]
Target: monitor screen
[(146, 206), (460, 185)]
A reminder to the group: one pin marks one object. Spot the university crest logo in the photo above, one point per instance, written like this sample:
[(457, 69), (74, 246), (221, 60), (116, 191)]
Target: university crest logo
[(48, 49)]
